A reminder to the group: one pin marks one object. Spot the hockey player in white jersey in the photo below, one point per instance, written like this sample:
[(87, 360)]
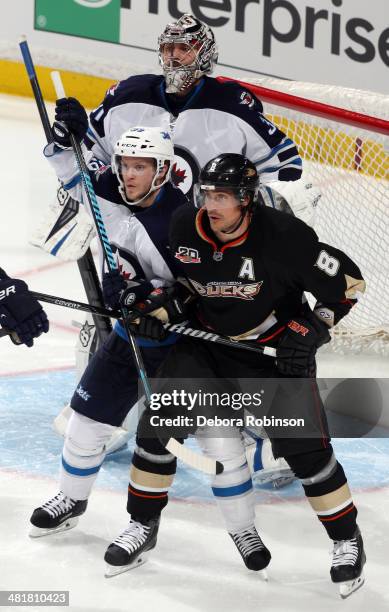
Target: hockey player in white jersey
[(206, 117), (136, 200)]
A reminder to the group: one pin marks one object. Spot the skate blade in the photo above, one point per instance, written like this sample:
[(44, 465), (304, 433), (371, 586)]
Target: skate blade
[(264, 575), (115, 570), (349, 587), (38, 532)]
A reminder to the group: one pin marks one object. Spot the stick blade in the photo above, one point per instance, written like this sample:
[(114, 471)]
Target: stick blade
[(194, 459)]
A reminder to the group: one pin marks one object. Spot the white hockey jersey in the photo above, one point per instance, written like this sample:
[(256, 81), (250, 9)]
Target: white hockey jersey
[(214, 118), (138, 236)]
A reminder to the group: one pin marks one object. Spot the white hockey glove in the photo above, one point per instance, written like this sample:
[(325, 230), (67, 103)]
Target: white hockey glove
[(301, 196), (66, 231)]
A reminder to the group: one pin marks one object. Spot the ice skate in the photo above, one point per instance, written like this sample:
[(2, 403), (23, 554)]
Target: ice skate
[(131, 548), (58, 514), (347, 564), (253, 551)]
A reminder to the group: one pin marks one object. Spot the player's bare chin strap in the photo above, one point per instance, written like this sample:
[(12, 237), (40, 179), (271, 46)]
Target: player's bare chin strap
[(243, 213)]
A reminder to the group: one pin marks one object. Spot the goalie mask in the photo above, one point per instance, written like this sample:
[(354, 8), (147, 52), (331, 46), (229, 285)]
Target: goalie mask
[(144, 142), (198, 39)]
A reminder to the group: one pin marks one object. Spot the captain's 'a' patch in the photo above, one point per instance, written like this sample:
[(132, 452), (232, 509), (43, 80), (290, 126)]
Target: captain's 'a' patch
[(247, 269)]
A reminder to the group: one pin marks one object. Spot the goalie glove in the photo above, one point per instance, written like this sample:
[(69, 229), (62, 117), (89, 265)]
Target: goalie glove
[(20, 312), (298, 344), (66, 230), (163, 305)]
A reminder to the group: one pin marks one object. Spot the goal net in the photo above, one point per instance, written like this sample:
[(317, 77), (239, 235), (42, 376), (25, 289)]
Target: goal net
[(343, 138)]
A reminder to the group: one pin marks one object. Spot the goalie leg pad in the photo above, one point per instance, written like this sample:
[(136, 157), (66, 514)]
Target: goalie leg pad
[(83, 454), (66, 230)]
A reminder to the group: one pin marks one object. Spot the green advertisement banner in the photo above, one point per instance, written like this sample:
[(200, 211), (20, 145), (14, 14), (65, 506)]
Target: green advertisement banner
[(98, 19)]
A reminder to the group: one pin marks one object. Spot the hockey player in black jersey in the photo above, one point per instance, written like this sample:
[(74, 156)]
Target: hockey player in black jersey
[(249, 267)]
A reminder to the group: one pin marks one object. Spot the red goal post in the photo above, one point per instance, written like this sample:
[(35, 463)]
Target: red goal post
[(343, 137)]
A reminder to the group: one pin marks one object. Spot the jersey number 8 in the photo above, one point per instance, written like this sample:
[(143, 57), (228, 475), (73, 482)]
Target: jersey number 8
[(329, 265)]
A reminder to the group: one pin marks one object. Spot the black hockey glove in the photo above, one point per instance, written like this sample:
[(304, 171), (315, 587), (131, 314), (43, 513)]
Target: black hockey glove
[(162, 305), (297, 347), (70, 117), (119, 292), (20, 312)]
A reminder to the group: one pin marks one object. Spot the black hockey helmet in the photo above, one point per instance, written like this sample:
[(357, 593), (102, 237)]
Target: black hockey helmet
[(230, 171)]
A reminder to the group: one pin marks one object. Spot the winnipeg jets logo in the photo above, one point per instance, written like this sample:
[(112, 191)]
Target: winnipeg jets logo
[(126, 275), (112, 89), (185, 170), (247, 98), (100, 171), (178, 175), (126, 263)]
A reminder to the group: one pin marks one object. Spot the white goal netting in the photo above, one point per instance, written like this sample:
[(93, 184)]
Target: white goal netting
[(350, 165)]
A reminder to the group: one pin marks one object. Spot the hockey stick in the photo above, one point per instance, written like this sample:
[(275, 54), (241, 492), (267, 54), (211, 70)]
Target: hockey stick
[(184, 330), (177, 449), (86, 264)]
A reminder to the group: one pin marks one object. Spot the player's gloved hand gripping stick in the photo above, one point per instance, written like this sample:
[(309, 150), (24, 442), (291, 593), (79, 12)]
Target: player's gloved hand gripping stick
[(173, 446)]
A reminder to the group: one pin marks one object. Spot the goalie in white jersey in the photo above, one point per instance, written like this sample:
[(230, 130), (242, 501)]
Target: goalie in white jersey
[(206, 117)]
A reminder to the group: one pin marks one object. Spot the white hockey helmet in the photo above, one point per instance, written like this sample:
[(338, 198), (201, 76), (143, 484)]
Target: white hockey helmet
[(151, 142), (197, 36)]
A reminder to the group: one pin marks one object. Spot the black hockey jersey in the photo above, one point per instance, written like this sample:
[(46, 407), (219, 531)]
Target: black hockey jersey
[(214, 118), (256, 282)]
